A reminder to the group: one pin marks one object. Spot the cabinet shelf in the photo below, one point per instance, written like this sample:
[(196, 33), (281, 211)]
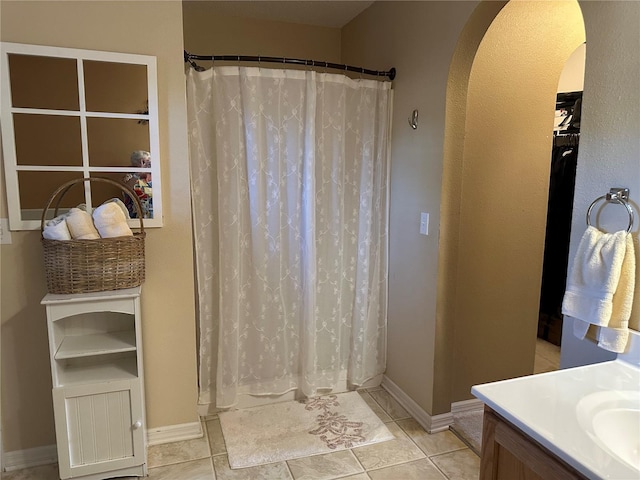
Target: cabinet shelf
[(78, 374), (97, 344)]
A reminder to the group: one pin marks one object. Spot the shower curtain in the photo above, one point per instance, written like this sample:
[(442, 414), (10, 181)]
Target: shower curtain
[(290, 199)]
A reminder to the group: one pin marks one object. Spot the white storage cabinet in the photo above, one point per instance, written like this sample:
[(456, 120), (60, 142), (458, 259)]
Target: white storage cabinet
[(98, 398)]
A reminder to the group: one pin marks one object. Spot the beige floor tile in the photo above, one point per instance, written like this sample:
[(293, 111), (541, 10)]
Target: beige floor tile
[(547, 350), (389, 404), (459, 465), (377, 409), (431, 444), (418, 470), (178, 452), (324, 467), (45, 472), (216, 440), (542, 365), (194, 470), (359, 476), (547, 357), (392, 452), (273, 471)]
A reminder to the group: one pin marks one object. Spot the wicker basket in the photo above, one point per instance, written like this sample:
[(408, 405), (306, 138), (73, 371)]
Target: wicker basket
[(83, 266)]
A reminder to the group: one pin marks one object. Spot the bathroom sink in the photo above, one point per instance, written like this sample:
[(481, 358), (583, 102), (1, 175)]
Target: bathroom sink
[(612, 420)]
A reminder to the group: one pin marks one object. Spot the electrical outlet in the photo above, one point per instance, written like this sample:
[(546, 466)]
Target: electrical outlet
[(5, 233), (424, 223)]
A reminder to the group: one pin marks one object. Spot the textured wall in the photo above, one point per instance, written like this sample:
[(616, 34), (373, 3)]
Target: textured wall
[(151, 28), (504, 188), (609, 143), (418, 39)]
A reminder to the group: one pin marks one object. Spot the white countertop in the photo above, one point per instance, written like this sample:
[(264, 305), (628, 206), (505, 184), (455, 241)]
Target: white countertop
[(544, 406)]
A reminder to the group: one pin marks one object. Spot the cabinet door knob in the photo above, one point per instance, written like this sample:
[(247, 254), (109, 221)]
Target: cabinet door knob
[(137, 425)]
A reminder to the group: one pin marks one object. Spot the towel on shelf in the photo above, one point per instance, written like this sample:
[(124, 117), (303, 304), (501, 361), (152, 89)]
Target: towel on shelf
[(57, 229), (111, 221), (600, 287), (80, 225)]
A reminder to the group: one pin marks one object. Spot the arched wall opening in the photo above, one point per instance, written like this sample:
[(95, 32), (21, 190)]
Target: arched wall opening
[(498, 137)]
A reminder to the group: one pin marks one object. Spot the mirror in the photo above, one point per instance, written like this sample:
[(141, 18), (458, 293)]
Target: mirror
[(68, 114)]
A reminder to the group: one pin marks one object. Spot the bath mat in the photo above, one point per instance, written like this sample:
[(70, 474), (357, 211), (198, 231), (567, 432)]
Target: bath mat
[(288, 430)]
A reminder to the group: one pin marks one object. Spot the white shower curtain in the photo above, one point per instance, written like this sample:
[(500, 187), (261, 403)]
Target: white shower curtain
[(290, 199)]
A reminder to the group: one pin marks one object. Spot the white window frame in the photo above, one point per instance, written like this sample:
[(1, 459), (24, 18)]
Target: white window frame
[(11, 167)]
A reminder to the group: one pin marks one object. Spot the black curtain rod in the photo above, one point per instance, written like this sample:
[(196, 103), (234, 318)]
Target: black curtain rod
[(189, 57)]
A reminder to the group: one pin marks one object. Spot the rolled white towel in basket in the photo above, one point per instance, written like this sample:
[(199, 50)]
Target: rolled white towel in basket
[(81, 226), (121, 204), (111, 221), (57, 229)]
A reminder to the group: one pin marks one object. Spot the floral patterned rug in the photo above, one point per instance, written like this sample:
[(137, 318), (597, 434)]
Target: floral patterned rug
[(288, 430)]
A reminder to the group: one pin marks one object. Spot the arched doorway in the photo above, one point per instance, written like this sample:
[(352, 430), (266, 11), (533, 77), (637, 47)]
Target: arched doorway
[(500, 110)]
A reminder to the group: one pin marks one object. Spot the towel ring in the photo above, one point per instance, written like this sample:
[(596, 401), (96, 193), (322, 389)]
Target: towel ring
[(615, 195)]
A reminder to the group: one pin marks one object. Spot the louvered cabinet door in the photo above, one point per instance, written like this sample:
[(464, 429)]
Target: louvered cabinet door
[(99, 427)]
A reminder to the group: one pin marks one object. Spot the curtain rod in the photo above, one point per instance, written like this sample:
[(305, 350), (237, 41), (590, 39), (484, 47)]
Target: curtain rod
[(189, 57)]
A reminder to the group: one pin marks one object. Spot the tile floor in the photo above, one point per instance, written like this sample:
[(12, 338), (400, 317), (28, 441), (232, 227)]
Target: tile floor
[(468, 424), (413, 454), (547, 357)]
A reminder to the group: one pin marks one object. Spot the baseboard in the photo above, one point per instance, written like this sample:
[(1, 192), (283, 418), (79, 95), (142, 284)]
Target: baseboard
[(174, 433), (30, 457), (208, 410), (467, 406), (431, 423), (34, 457)]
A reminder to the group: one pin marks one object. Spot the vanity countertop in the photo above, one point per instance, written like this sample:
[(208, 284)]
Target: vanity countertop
[(546, 407)]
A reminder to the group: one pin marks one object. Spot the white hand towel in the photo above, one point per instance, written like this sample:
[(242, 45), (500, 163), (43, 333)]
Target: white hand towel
[(80, 225), (57, 229), (111, 221), (615, 335), (595, 276)]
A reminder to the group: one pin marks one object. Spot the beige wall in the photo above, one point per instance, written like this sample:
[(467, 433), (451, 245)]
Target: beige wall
[(418, 39), (450, 208), (609, 145), (151, 28), (418, 342), (209, 30), (504, 184), (572, 77)]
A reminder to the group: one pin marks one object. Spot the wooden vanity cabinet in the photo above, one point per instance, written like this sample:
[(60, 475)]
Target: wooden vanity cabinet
[(509, 454)]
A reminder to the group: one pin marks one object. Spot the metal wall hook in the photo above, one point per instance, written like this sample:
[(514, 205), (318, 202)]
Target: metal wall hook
[(617, 194), (413, 119)]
